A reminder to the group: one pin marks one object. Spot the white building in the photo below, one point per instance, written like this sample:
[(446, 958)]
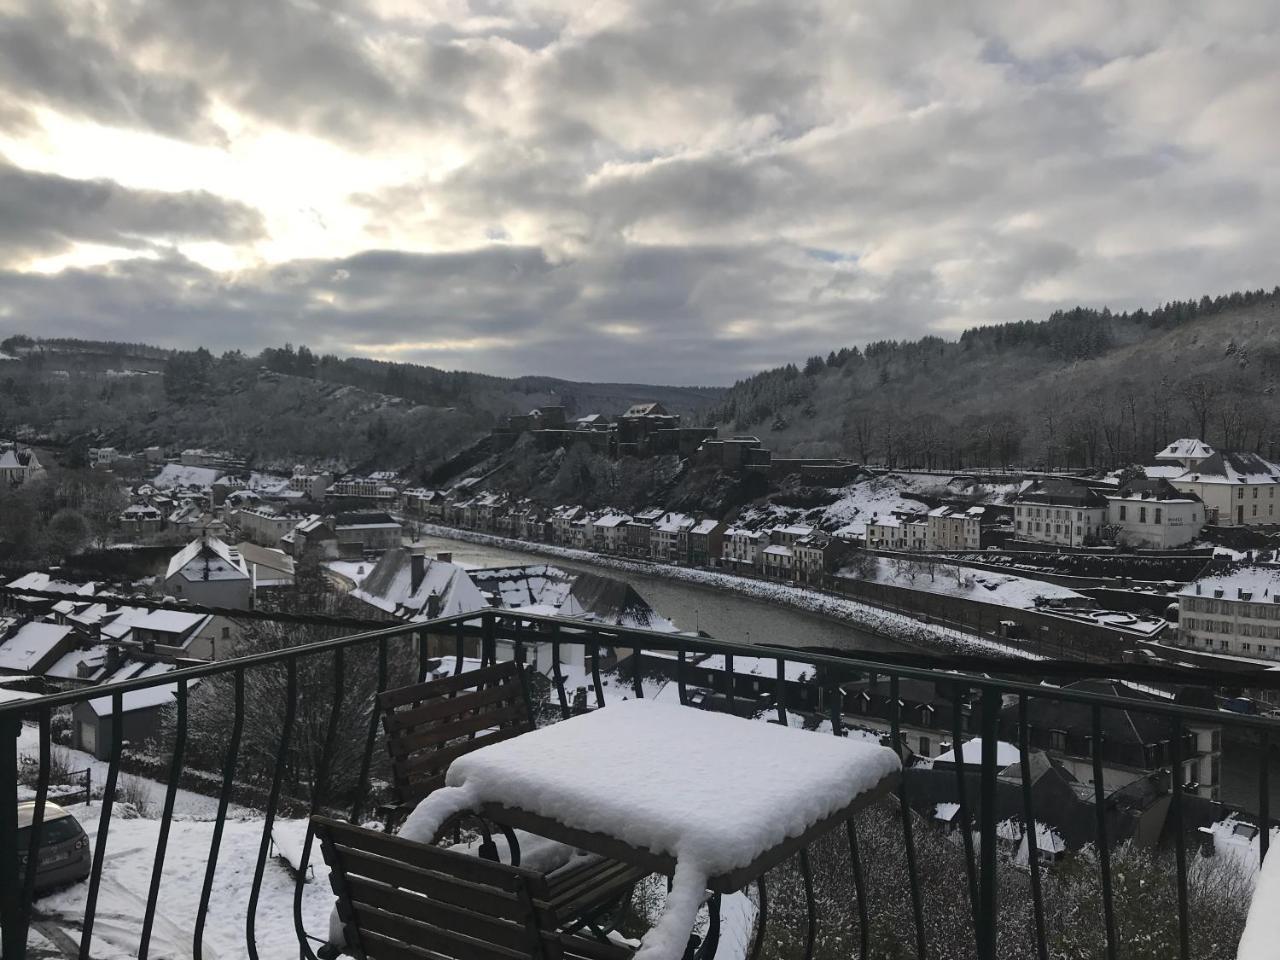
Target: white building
[(211, 572), (955, 528), (1238, 489), (907, 531), (742, 548), (608, 532), (1235, 613), (1153, 513), (1059, 511), (1187, 453), (779, 561), (670, 537), (17, 466)]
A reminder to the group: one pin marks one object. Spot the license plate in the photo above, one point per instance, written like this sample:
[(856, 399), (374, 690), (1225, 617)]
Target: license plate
[(54, 858)]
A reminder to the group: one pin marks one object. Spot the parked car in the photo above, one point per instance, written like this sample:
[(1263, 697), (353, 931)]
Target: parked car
[(64, 856)]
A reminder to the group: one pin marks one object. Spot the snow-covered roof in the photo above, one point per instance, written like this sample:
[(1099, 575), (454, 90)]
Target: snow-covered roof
[(612, 520), (778, 550), (43, 582), (208, 558), (144, 699), (1186, 449), (705, 526), (32, 643), (389, 586), (795, 530), (1260, 583), (180, 475), (1006, 754), (673, 523), (1233, 468)]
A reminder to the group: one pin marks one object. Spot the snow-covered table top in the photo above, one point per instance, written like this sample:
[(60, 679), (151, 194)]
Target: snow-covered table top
[(709, 794)]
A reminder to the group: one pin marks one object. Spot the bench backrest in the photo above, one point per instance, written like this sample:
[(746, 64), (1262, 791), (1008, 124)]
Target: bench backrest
[(402, 900), (429, 725)]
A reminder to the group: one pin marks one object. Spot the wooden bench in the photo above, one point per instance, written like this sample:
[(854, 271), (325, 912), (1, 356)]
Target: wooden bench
[(428, 725), (401, 900)]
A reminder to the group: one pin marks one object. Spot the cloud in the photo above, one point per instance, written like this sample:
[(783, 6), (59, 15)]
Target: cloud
[(638, 189), (42, 213)]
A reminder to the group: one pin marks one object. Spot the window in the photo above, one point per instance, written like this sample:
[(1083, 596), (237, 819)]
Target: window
[(1157, 515), (226, 633), (1222, 644), (1240, 493), (1058, 740), (1122, 516), (1255, 493)]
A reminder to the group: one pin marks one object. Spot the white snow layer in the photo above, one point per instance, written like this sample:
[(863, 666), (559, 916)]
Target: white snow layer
[(712, 790), (1261, 938)]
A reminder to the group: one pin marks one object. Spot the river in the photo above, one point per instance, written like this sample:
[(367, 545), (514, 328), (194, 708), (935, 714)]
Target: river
[(690, 606), (730, 616)]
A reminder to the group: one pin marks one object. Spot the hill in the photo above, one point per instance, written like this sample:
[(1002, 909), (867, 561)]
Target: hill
[(281, 406), (1081, 389)]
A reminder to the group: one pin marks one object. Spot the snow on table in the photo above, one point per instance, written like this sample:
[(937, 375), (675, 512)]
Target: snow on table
[(713, 791)]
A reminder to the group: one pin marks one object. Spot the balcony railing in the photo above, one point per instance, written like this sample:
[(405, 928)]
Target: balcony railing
[(316, 701)]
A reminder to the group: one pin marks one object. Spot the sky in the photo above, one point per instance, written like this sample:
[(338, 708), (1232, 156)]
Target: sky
[(664, 191)]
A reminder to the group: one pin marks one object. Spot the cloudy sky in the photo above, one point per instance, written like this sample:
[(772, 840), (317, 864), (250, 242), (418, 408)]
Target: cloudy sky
[(600, 189)]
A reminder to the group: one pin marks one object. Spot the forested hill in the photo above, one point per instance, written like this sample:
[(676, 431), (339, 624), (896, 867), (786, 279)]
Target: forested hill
[(1084, 388), (280, 406)]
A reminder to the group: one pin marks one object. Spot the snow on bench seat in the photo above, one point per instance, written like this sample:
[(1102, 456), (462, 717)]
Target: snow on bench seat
[(288, 847)]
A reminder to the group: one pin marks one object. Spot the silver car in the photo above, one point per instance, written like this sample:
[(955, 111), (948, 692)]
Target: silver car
[(64, 856)]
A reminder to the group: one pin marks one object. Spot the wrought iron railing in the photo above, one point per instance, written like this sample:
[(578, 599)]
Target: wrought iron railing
[(989, 685)]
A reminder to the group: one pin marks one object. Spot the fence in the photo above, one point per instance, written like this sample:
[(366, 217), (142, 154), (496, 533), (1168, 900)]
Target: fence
[(991, 686)]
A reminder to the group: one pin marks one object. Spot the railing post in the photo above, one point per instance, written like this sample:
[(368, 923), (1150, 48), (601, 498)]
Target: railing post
[(14, 940), (489, 654), (988, 907)]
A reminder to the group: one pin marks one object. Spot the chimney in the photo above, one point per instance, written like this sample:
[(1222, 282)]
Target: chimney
[(433, 605), (445, 556), (112, 661), (417, 568)]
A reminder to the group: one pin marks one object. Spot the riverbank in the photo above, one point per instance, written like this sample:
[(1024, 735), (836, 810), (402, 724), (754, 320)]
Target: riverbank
[(892, 626)]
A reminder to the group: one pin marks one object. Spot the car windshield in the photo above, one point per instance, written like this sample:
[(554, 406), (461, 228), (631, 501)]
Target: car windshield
[(53, 831)]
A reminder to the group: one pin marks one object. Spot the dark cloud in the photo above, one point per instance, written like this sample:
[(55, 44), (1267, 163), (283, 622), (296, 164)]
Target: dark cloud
[(41, 213), (654, 189), (59, 58)]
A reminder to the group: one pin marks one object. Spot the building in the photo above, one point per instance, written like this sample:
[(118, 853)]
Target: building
[(669, 541), (1235, 613), (743, 549), (778, 561), (1186, 453), (313, 486), (706, 542), (1135, 743), (816, 556), (1154, 513), (905, 531), (211, 572), (1061, 512), (313, 534), (264, 525), (140, 520), (33, 648), (954, 528), (18, 465), (609, 531), (410, 586), (361, 533), (1237, 489)]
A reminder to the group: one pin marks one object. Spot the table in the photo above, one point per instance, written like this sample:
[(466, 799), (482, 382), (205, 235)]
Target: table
[(709, 799)]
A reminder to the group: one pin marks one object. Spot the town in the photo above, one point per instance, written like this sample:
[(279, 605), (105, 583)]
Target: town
[(639, 481), (1168, 562)]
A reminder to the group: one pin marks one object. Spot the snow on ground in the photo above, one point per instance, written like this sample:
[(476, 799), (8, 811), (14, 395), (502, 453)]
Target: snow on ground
[(186, 802), (126, 876), (1262, 928), (897, 626), (982, 585), (179, 475)]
